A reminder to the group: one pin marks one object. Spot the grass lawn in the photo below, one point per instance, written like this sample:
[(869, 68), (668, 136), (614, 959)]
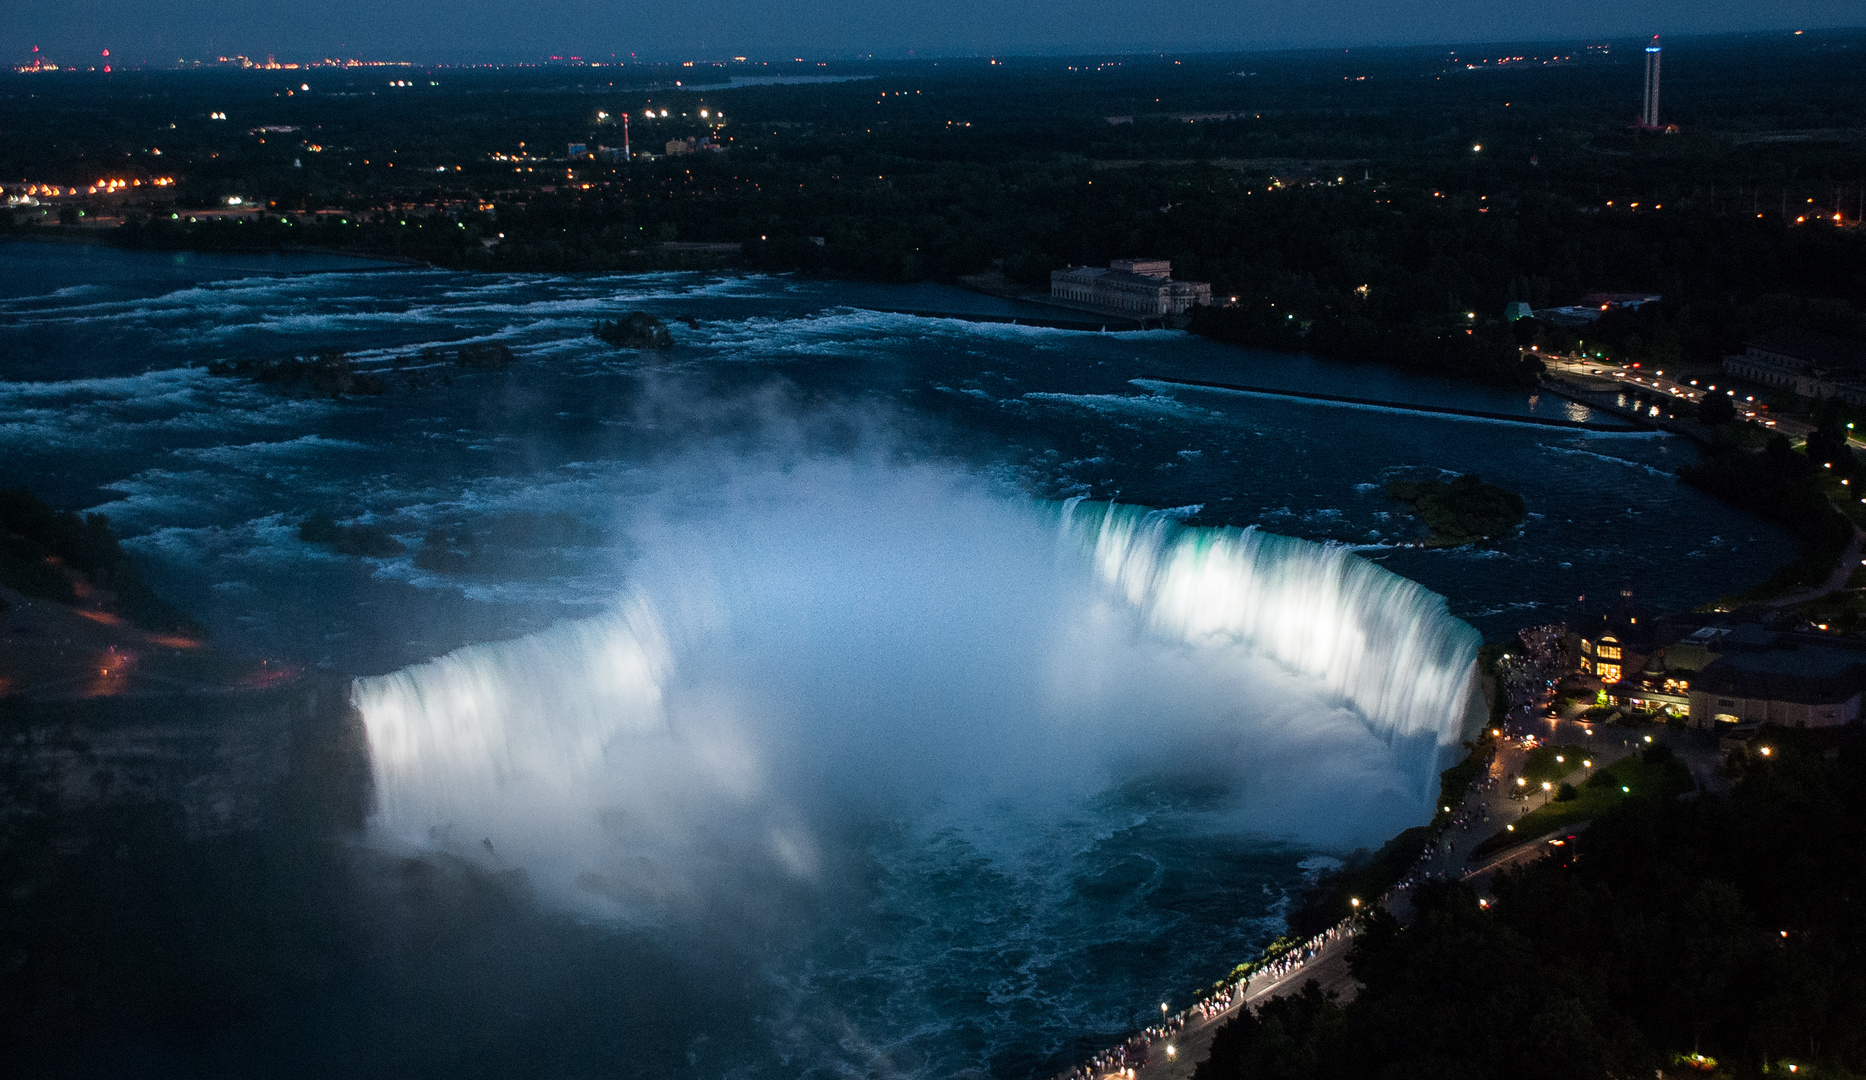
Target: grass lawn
[(1625, 779), (1541, 764)]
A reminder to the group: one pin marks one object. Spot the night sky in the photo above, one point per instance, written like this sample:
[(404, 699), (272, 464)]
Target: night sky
[(439, 31)]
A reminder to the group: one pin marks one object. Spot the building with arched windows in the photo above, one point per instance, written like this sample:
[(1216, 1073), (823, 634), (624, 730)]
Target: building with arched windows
[(1139, 288)]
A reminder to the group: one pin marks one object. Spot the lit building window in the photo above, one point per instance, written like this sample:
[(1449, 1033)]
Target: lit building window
[(1609, 673)]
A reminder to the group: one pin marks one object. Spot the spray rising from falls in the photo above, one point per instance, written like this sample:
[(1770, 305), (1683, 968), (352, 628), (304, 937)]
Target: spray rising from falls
[(853, 644)]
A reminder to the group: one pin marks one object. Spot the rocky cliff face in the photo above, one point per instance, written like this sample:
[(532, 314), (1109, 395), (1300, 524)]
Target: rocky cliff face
[(170, 862), (212, 762)]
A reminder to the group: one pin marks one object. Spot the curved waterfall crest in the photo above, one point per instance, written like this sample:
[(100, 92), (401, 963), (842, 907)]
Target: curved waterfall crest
[(541, 709), (926, 648), (1388, 646)]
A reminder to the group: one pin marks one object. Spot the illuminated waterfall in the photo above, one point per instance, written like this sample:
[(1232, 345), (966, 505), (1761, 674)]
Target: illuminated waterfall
[(1386, 644), (929, 649), (543, 708)]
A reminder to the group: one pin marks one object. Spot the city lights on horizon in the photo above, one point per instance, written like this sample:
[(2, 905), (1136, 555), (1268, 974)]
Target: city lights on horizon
[(38, 61)]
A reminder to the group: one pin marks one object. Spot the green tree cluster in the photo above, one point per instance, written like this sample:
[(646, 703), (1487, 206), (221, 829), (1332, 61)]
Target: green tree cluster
[(1461, 511)]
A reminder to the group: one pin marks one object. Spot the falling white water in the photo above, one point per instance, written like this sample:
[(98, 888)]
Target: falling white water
[(1371, 637), (909, 645)]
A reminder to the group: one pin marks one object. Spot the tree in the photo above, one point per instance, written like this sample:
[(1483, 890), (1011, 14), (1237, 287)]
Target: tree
[(1716, 409), (1827, 445)]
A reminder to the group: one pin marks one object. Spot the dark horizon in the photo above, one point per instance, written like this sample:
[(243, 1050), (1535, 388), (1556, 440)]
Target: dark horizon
[(481, 32)]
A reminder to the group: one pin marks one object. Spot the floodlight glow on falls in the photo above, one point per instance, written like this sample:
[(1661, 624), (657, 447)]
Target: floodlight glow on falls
[(1371, 637), (910, 649)]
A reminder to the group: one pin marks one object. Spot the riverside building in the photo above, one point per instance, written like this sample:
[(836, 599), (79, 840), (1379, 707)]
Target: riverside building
[(1142, 288), (1723, 677), (1811, 364)]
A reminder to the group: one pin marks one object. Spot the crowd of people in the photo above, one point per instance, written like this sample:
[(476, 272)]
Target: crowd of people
[(1530, 673), (1123, 1060)]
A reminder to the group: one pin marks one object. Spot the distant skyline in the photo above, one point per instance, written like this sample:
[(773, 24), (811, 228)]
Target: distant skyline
[(432, 31)]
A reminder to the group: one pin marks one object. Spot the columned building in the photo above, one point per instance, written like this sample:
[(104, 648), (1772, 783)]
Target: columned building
[(1142, 288)]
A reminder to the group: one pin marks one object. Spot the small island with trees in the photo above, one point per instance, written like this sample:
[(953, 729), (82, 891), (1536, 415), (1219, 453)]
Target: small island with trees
[(1461, 511)]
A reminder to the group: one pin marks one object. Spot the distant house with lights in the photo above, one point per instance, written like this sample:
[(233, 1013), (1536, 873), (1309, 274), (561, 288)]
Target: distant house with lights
[(1594, 305), (1140, 288), (1662, 684), (1619, 642)]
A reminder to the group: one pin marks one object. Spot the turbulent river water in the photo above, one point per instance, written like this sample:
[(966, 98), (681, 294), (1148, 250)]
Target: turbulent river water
[(843, 692)]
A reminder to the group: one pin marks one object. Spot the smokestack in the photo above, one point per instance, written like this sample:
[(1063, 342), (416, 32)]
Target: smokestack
[(626, 156), (1650, 116)]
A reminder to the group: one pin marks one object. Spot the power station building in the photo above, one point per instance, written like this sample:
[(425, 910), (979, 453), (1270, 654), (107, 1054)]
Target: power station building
[(1142, 288), (1811, 364)]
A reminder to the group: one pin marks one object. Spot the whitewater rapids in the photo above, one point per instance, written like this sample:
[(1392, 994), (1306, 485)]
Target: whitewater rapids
[(842, 645)]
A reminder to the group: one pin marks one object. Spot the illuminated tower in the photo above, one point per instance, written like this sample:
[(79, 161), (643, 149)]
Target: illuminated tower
[(1649, 118)]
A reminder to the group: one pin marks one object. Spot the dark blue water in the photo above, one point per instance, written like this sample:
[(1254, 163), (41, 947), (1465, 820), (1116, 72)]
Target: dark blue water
[(933, 956)]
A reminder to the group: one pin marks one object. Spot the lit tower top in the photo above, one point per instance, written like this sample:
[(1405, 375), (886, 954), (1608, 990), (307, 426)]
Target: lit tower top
[(1649, 117)]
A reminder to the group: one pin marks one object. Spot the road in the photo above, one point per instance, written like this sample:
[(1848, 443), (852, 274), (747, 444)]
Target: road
[(1636, 380)]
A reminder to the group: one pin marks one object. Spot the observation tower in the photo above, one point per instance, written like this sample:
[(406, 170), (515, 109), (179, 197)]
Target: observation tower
[(1649, 108)]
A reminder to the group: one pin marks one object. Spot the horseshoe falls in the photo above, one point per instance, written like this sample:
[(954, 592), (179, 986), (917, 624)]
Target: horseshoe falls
[(851, 649)]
